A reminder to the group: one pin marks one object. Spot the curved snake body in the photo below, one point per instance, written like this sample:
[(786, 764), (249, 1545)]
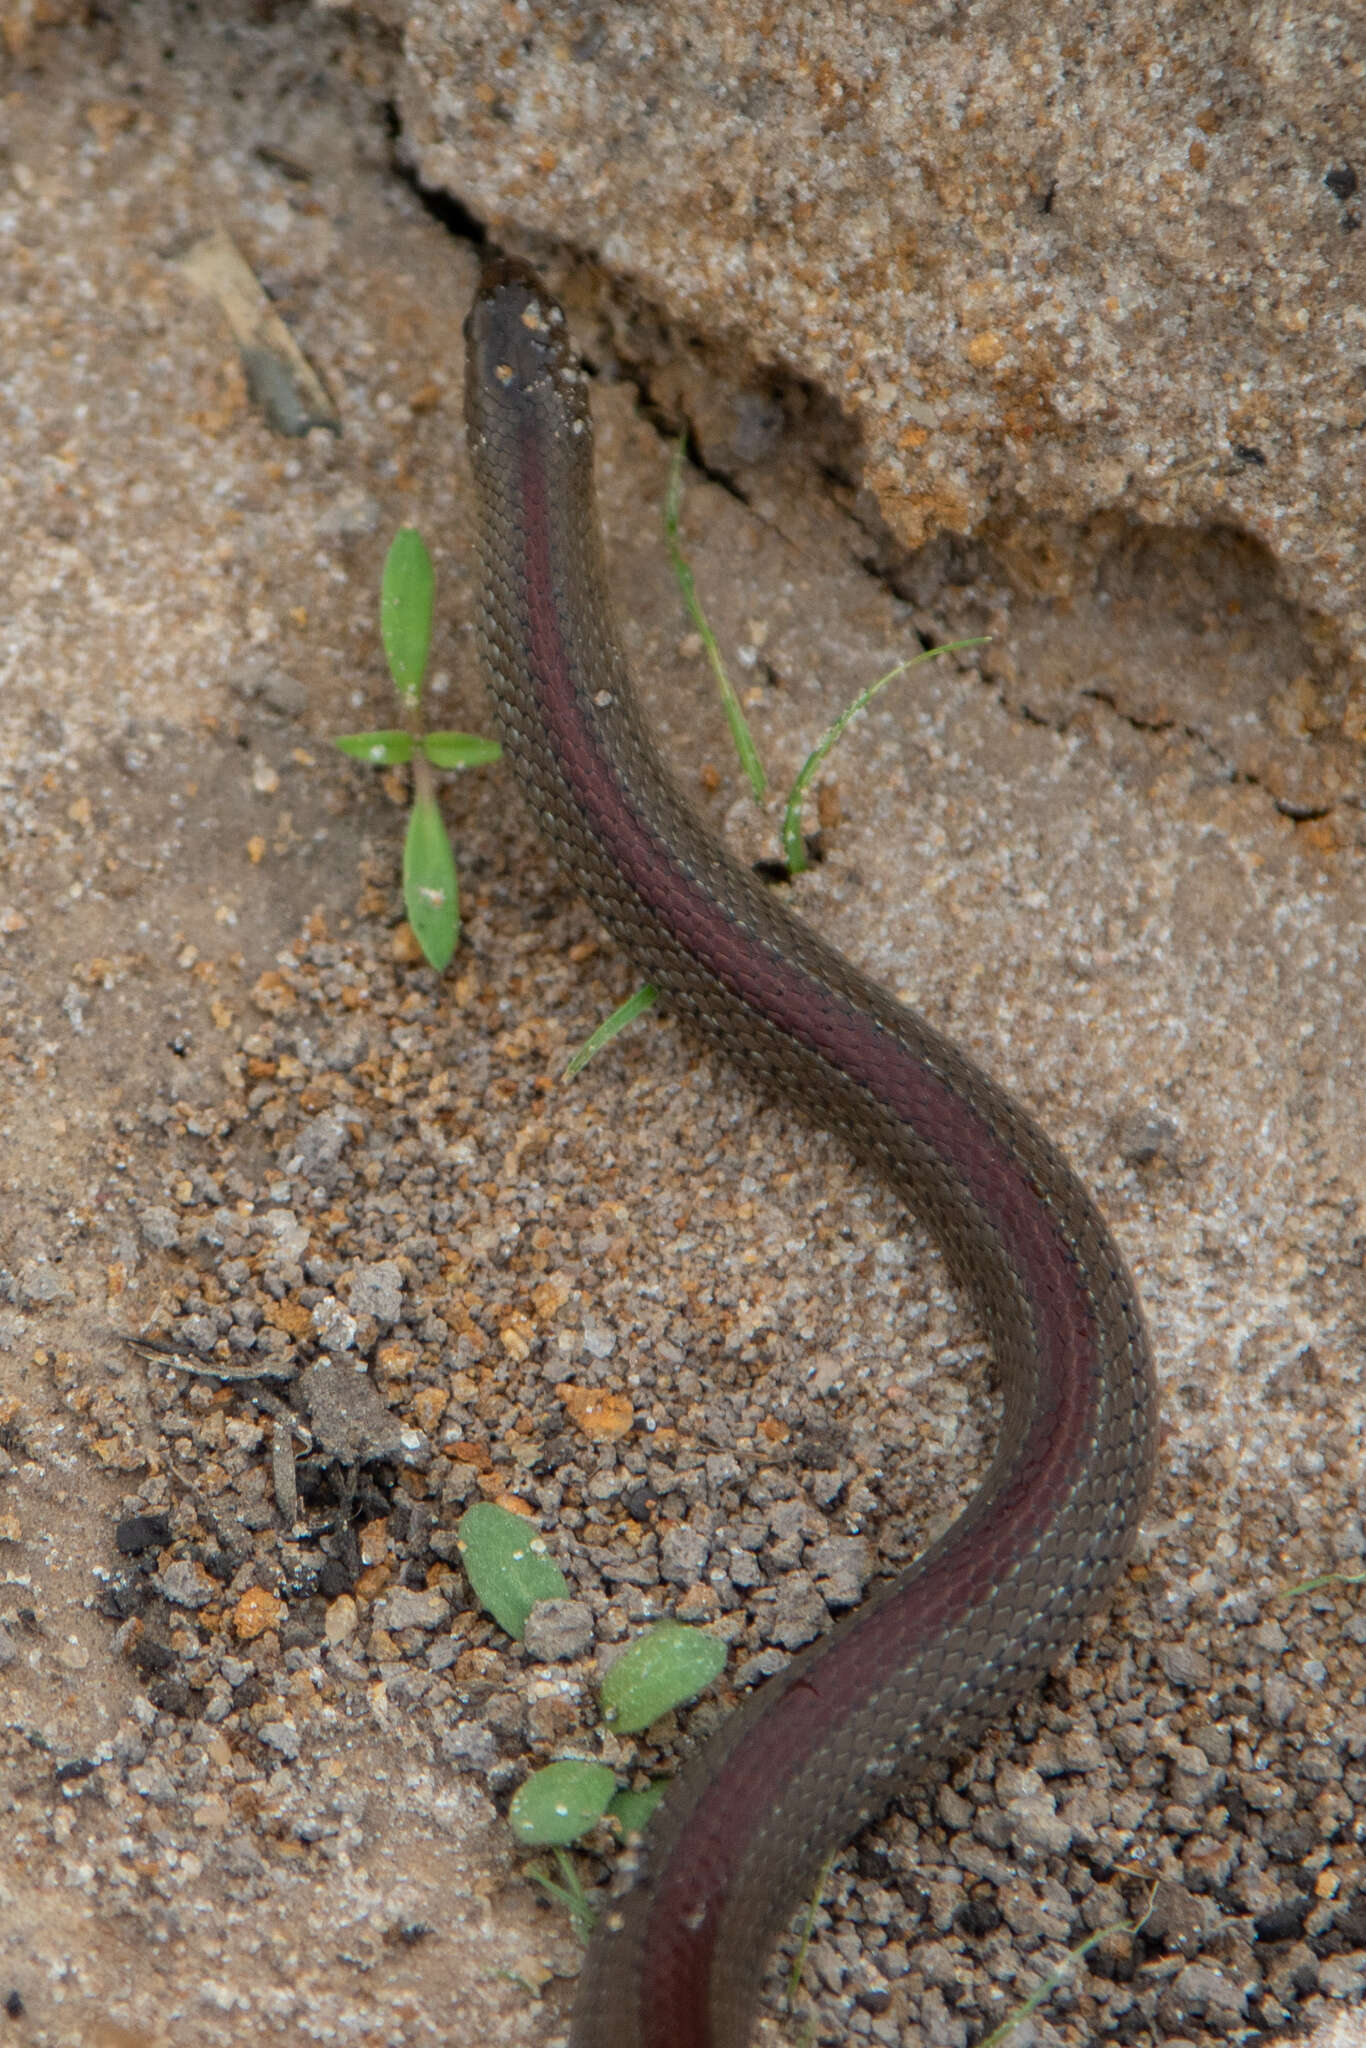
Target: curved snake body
[(930, 1660)]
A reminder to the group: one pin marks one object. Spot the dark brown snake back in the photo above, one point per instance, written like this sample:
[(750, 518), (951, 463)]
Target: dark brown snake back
[(927, 1663)]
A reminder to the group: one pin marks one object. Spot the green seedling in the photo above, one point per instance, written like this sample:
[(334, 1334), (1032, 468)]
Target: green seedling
[(431, 893), (556, 1792), (507, 1566), (407, 591), (669, 1665), (562, 1801)]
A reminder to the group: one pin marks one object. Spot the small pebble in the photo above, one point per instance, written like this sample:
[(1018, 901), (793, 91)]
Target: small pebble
[(557, 1630)]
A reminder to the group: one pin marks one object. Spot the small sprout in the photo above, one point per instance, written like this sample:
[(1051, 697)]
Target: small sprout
[(558, 1804), (666, 1666), (381, 749), (405, 610), (430, 892), (506, 1564), (624, 1014), (631, 1810)]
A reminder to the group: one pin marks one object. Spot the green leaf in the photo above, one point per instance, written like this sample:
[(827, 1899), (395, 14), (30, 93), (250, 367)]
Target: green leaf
[(631, 1810), (506, 1564), (794, 845), (664, 1667), (560, 1803), (405, 610), (741, 737), (624, 1014), (460, 750), (383, 749), (431, 895)]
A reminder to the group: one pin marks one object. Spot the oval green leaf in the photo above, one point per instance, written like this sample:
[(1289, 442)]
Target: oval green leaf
[(560, 1803), (666, 1666), (506, 1564), (431, 894), (631, 1810), (382, 749), (460, 750), (405, 610)]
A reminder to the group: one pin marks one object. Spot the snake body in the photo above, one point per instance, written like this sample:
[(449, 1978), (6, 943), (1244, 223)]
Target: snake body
[(922, 1668)]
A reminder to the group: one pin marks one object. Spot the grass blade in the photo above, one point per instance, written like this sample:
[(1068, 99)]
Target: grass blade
[(1045, 1990), (739, 731), (624, 1014), (569, 1893), (794, 846)]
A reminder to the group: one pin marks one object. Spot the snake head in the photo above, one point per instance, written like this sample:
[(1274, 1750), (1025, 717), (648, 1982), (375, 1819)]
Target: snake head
[(518, 349)]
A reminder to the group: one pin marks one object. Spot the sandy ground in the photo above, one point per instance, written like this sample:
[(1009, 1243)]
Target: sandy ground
[(250, 1781)]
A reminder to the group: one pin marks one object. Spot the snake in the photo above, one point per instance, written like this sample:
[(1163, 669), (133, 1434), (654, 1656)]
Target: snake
[(916, 1674)]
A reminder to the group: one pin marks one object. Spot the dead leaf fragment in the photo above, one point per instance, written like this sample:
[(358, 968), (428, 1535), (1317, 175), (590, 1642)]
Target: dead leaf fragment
[(280, 378)]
